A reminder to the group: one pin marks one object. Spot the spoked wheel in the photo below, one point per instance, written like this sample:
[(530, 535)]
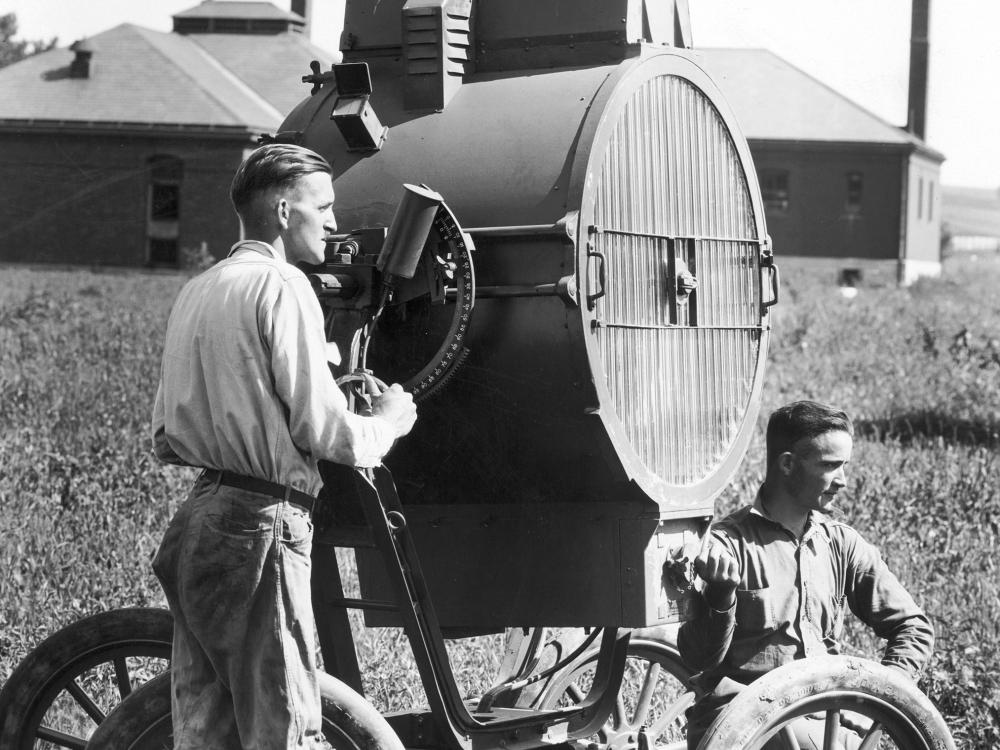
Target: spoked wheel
[(653, 697), (142, 721), (73, 679), (833, 703)]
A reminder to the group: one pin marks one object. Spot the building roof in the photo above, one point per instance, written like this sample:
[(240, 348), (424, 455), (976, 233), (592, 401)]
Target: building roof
[(272, 66), (140, 77), (230, 9), (971, 212), (774, 100)]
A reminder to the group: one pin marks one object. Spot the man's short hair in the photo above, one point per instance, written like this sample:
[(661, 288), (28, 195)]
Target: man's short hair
[(274, 165), (802, 419)]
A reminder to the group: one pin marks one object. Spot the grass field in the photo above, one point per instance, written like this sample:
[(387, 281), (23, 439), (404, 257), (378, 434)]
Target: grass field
[(84, 504)]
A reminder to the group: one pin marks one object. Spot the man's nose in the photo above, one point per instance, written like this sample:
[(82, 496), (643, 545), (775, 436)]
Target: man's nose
[(330, 225), (840, 478)]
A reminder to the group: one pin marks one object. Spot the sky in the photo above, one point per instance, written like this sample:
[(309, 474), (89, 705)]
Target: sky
[(859, 47)]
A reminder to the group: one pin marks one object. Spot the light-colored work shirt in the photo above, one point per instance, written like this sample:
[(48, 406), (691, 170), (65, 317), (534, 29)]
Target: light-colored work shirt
[(791, 600), (245, 384)]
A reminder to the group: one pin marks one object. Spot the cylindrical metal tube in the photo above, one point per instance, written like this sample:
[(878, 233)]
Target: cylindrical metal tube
[(404, 241), (339, 285)]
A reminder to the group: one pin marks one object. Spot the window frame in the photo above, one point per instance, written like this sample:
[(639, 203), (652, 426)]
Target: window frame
[(775, 189)]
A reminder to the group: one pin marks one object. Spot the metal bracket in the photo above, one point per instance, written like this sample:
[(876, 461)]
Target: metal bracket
[(318, 78), (285, 136), (767, 261), (775, 286), (602, 276)]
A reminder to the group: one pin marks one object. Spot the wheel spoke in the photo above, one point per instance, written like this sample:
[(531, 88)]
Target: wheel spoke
[(574, 692), (831, 732), (787, 738), (60, 738), (872, 737), (672, 714), (646, 695), (86, 702), (121, 675), (619, 718)]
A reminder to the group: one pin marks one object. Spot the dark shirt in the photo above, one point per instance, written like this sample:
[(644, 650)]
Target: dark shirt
[(791, 600)]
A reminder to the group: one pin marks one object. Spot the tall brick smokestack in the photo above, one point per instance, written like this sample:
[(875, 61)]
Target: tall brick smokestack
[(916, 119), (304, 9)]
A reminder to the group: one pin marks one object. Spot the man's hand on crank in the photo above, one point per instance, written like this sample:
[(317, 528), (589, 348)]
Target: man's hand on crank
[(721, 572), (396, 406)]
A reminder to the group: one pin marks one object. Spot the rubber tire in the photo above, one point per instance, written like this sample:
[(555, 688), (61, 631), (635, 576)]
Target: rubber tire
[(804, 687), (66, 654), (142, 721)]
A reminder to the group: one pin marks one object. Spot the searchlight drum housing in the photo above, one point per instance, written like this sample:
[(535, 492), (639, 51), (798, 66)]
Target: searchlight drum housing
[(611, 369)]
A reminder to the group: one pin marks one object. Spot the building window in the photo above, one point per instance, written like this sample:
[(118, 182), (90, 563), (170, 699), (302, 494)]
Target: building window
[(920, 198), (164, 202), (855, 192), (774, 189), (163, 210), (930, 201)]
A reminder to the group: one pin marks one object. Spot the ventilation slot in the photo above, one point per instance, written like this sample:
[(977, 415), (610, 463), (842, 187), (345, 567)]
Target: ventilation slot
[(437, 51)]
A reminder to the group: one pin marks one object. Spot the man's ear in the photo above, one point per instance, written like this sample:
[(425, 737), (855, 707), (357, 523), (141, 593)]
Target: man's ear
[(786, 462), (282, 212)]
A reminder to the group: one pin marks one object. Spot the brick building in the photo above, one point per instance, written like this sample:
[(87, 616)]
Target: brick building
[(843, 188), (119, 150)]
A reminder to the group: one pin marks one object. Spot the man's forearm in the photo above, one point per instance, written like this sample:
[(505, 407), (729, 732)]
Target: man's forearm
[(909, 646), (704, 641)]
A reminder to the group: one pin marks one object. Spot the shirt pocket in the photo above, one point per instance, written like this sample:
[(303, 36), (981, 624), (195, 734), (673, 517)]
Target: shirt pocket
[(755, 610)]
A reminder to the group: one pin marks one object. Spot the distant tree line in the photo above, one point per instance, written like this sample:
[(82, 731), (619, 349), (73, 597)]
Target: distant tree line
[(13, 49)]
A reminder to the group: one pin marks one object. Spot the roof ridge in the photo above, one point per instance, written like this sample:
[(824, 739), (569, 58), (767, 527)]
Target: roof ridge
[(256, 98), (239, 82)]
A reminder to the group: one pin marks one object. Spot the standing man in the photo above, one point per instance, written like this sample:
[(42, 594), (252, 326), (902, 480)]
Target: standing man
[(778, 574), (246, 393)]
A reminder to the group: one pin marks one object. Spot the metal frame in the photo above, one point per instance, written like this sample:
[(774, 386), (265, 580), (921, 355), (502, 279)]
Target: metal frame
[(451, 722)]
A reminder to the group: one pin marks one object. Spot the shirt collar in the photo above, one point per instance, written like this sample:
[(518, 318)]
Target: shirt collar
[(815, 524), (757, 509), (257, 246)]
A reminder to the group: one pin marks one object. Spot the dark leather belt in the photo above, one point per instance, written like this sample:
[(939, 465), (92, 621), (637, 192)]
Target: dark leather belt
[(263, 487)]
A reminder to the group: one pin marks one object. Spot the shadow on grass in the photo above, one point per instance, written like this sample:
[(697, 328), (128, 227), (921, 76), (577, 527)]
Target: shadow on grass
[(918, 426)]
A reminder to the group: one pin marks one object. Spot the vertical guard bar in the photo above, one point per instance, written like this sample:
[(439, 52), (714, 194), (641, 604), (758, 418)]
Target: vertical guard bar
[(388, 524), (336, 639)]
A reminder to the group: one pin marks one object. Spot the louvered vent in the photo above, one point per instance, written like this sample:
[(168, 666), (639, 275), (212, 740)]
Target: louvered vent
[(437, 49), (672, 203)]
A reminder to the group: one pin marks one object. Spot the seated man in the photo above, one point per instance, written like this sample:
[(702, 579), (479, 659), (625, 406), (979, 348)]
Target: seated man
[(779, 573)]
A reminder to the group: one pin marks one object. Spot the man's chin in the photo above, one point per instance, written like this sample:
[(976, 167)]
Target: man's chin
[(315, 257)]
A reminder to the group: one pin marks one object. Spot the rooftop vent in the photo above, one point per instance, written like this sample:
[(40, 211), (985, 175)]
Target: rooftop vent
[(215, 17), (80, 67), (437, 50)]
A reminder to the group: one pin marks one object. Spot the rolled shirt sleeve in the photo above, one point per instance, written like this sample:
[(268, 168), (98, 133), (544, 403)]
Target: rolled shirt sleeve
[(319, 420)]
